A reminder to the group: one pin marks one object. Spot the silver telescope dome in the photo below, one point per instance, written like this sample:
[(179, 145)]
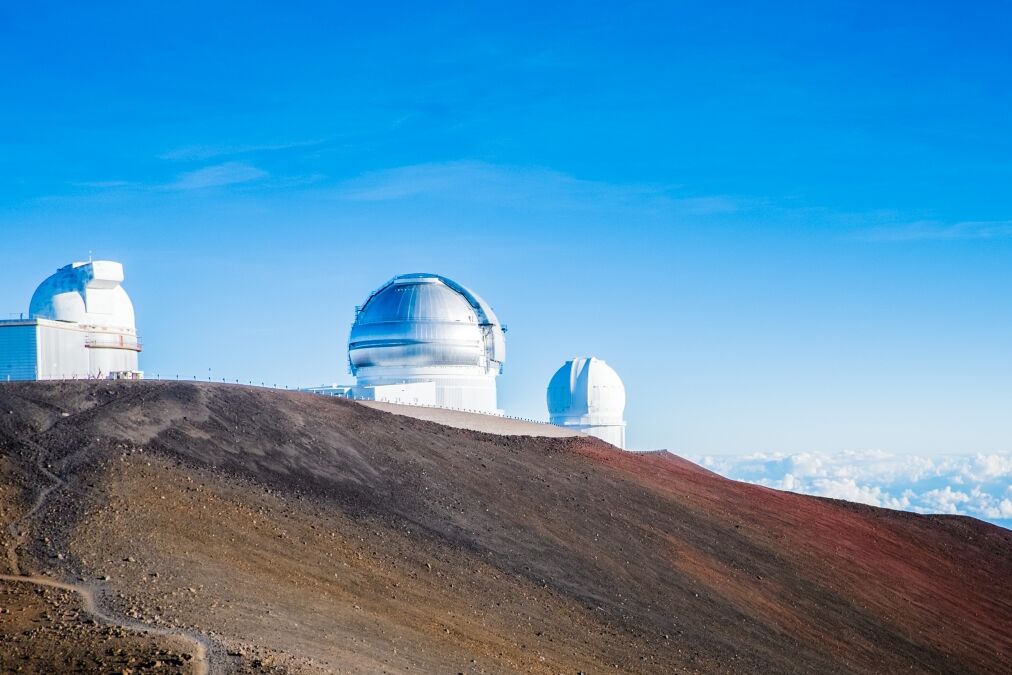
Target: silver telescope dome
[(426, 321)]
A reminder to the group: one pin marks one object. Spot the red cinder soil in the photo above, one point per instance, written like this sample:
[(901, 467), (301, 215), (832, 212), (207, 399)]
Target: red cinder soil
[(295, 533)]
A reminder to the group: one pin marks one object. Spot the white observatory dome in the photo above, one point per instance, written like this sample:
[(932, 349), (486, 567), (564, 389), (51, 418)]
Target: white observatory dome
[(588, 395), (427, 328), (87, 293), (91, 315)]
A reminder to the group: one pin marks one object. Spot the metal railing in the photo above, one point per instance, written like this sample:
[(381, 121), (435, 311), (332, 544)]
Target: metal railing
[(98, 343)]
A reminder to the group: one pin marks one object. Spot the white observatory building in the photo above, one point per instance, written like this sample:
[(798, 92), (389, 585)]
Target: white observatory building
[(80, 325), (586, 394), (424, 339)]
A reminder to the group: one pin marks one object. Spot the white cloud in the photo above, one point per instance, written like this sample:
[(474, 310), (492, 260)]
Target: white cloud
[(977, 485), (1003, 510), (850, 490), (229, 173), (986, 467), (945, 500)]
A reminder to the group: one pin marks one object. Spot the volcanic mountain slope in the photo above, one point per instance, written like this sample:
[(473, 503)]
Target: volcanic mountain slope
[(228, 528)]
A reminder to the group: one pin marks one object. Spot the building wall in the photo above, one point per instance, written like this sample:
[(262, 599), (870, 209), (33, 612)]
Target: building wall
[(452, 388), (61, 352), (18, 352), (475, 394), (409, 393), (424, 393)]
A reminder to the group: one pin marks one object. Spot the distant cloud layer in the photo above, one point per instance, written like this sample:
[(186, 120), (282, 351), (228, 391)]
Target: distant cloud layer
[(975, 485)]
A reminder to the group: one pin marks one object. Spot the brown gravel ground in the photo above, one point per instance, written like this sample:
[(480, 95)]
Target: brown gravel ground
[(295, 533), (45, 631)]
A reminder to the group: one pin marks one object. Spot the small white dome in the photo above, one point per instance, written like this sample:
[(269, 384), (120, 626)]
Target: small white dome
[(587, 395), (88, 293), (586, 388)]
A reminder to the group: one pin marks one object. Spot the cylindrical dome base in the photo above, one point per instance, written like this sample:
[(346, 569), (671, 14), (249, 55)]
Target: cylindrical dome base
[(463, 391)]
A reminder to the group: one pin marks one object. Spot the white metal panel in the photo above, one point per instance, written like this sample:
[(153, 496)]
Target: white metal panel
[(61, 352)]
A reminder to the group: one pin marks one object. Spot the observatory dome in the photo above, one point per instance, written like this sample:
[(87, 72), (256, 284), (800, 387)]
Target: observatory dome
[(85, 323), (428, 328), (88, 293), (588, 395)]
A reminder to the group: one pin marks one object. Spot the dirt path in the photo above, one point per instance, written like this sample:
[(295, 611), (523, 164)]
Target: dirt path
[(17, 535), (201, 665), (200, 644)]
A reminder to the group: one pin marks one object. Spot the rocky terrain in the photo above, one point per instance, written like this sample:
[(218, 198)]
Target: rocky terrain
[(183, 527)]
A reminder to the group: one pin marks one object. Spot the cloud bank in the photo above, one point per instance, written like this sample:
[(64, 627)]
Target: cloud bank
[(974, 485)]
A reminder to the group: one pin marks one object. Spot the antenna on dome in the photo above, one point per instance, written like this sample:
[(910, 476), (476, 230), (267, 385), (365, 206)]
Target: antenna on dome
[(89, 256)]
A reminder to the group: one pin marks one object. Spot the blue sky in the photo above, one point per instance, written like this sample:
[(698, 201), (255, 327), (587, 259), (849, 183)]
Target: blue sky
[(789, 228)]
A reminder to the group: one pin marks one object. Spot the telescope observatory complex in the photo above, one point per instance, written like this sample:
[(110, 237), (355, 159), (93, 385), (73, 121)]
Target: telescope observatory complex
[(419, 339), (80, 325)]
